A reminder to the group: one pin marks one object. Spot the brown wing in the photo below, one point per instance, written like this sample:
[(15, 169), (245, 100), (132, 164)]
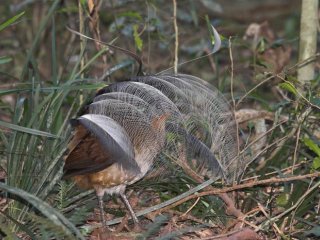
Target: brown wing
[(85, 154)]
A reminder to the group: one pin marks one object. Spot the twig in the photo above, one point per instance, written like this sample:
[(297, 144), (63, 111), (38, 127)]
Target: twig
[(230, 205), (212, 64), (243, 186), (295, 210), (299, 93), (303, 62), (247, 114), (82, 46), (125, 51), (231, 76), (280, 75), (216, 47), (183, 216), (301, 199), (275, 226), (233, 100), (163, 204), (244, 233), (190, 208), (277, 143), (94, 24), (176, 36), (295, 151), (254, 88), (187, 195), (284, 170), (300, 119), (259, 182), (253, 142)]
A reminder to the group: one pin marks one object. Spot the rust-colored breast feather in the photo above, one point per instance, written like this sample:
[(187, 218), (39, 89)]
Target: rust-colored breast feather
[(85, 154)]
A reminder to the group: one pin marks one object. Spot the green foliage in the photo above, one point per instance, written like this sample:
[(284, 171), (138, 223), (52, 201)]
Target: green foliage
[(26, 130), (11, 21), (39, 130), (316, 149), (312, 146), (53, 217), (289, 87), (138, 41), (154, 227), (210, 30), (5, 59), (34, 148)]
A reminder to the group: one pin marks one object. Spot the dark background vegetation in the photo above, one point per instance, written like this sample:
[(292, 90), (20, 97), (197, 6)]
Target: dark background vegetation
[(47, 73)]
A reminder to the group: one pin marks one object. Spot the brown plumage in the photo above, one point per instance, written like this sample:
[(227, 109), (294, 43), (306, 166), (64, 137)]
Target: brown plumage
[(85, 151), (89, 163)]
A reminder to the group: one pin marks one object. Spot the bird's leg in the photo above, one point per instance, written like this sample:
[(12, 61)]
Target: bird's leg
[(128, 206), (103, 220)]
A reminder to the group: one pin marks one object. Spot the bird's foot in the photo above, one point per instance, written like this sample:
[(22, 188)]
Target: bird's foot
[(137, 228), (123, 225)]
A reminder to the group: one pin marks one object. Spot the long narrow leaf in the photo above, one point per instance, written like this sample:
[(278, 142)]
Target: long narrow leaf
[(38, 35), (91, 86), (52, 214), (26, 130), (10, 21)]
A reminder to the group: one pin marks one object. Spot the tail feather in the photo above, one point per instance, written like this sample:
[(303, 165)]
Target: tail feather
[(101, 143)]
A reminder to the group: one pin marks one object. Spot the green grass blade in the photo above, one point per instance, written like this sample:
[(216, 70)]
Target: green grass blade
[(36, 40), (10, 21), (91, 86), (54, 68), (5, 59), (92, 60), (27, 130), (52, 214)]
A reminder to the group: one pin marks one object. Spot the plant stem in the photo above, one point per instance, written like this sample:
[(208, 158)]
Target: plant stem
[(308, 38)]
